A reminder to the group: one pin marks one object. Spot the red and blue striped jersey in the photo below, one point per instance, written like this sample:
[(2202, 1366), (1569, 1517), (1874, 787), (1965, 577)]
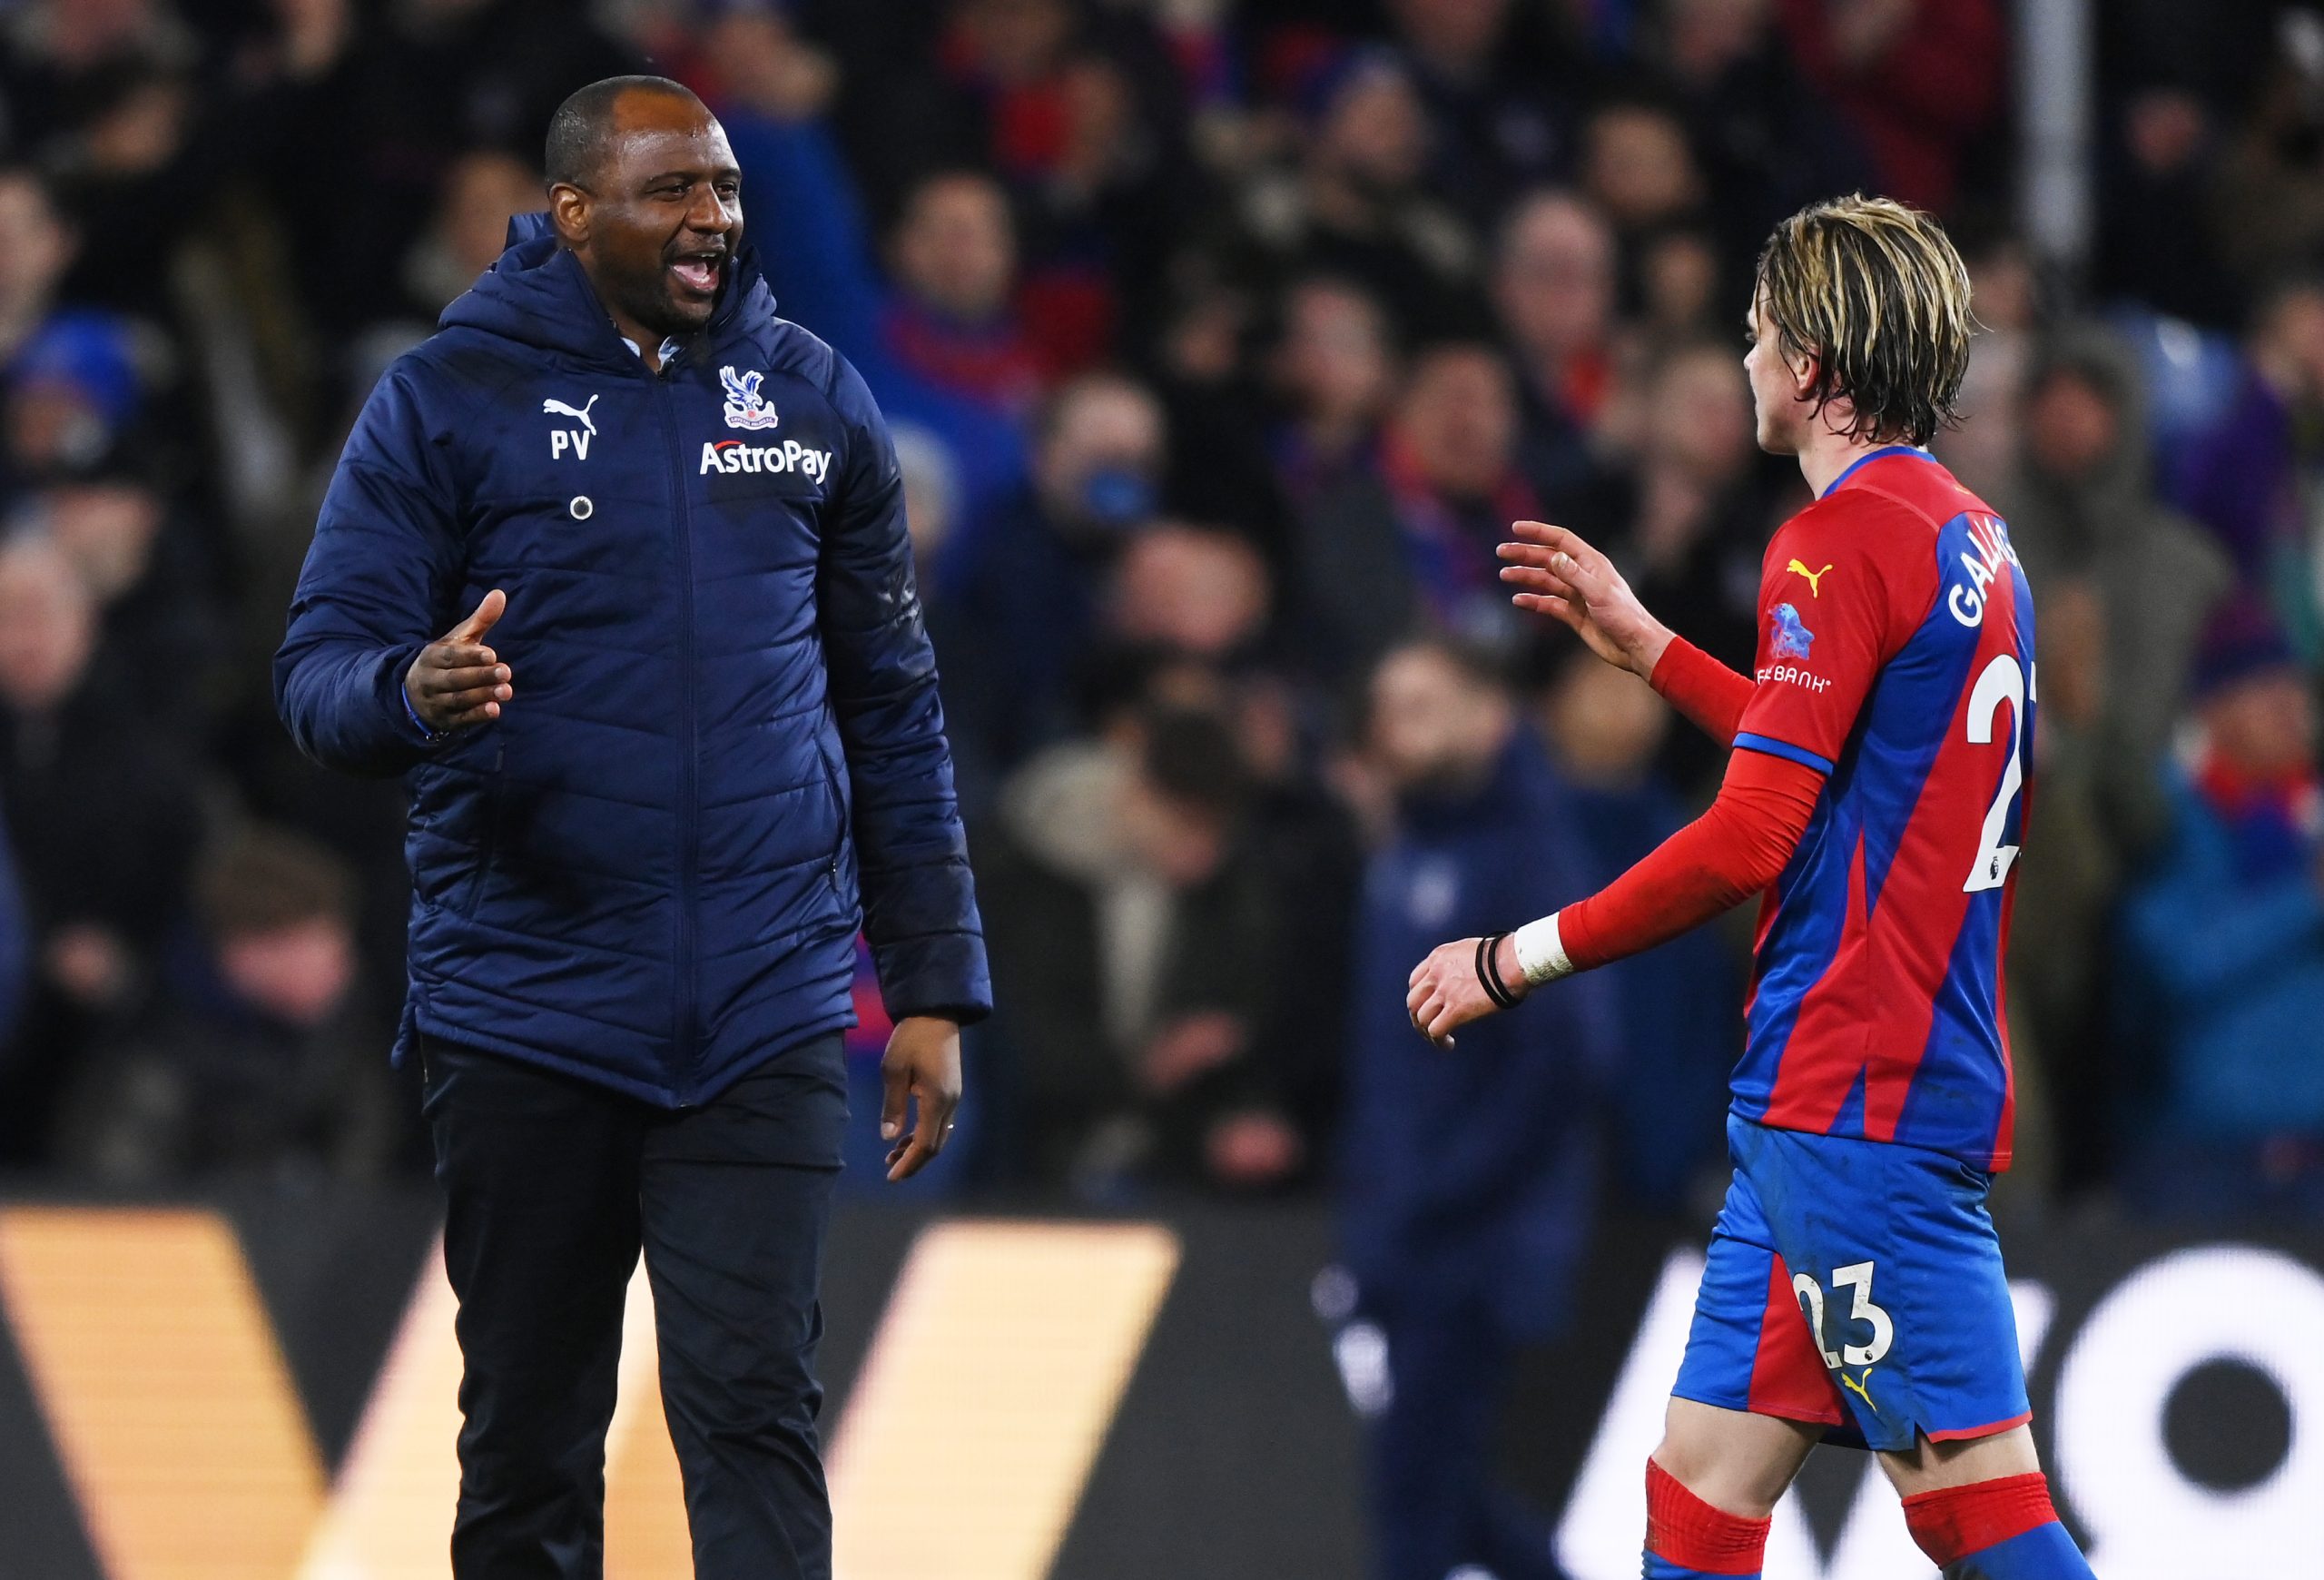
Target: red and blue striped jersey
[(1897, 656)]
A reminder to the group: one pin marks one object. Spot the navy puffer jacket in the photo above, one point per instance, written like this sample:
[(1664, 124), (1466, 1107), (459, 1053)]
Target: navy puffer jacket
[(646, 872)]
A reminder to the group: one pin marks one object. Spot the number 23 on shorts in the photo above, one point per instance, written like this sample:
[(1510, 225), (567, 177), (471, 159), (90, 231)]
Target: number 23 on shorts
[(1857, 1277)]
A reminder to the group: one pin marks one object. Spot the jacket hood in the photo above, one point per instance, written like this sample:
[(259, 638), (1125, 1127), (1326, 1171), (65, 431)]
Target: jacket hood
[(2080, 514), (537, 294)]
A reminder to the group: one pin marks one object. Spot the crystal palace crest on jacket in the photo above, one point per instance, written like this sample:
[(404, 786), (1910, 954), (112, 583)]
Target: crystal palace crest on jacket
[(746, 407)]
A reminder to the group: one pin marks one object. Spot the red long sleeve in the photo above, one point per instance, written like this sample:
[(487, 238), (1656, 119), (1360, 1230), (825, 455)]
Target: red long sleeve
[(1698, 685), (1733, 851)]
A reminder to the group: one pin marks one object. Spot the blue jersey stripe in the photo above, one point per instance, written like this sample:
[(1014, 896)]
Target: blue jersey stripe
[(1785, 749)]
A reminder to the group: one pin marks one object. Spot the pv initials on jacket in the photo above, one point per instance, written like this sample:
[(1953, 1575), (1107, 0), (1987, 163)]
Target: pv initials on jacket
[(561, 440)]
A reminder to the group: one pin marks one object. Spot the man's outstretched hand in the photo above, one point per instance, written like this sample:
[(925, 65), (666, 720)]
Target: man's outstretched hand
[(1445, 994), (457, 682), (1555, 573), (922, 1063)]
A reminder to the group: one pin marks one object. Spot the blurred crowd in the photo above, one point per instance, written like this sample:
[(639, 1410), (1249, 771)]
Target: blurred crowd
[(1221, 339)]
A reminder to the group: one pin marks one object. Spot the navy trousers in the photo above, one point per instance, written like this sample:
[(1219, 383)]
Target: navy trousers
[(1439, 1511), (552, 1189)]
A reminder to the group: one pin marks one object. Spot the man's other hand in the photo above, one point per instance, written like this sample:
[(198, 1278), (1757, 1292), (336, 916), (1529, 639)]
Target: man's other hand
[(921, 1066), (1445, 994), (1557, 574), (457, 682)]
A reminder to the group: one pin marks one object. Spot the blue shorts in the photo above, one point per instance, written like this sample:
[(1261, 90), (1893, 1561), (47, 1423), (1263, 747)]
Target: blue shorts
[(1859, 1286)]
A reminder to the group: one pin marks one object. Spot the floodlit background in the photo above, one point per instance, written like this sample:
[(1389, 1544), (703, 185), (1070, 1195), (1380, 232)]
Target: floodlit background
[(1220, 340)]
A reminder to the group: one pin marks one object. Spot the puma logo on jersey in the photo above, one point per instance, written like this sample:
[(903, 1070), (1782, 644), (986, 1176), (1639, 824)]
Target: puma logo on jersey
[(1814, 577), (1857, 1385)]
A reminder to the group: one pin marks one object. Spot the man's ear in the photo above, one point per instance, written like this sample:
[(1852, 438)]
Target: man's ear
[(1803, 369), (568, 210)]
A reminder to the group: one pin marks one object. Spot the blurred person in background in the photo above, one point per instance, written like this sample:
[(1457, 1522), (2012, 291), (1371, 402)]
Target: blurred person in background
[(2253, 476), (1554, 285), (1030, 585), (1139, 948), (1335, 370), (1920, 81), (1408, 546), (483, 189), (1605, 731), (2116, 659), (773, 94), (1767, 139), (105, 820), (367, 142), (1639, 167), (262, 1054), (2223, 990), (1487, 89), (1467, 1183), (953, 318), (68, 372), (159, 626), (1357, 203)]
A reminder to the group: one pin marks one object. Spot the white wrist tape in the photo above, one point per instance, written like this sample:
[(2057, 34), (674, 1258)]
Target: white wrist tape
[(1539, 955)]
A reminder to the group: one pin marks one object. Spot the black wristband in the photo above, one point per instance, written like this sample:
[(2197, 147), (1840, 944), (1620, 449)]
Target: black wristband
[(1489, 970)]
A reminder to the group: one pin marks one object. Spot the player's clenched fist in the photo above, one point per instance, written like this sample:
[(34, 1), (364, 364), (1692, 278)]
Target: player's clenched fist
[(1447, 989), (458, 682)]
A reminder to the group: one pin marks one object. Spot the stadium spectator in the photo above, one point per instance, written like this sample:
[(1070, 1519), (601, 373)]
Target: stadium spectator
[(1605, 730), (1335, 371), (261, 1055), (2267, 193), (158, 627), (1919, 80), (1498, 112), (1357, 203), (1030, 586), (2224, 981), (819, 260), (1409, 544), (1554, 284), (2247, 478), (1768, 143), (1141, 947), (1639, 168), (1467, 1185), (2157, 241), (105, 820), (2115, 662)]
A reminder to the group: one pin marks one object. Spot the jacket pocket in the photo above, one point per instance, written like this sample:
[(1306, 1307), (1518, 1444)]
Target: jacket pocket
[(837, 864), (488, 845)]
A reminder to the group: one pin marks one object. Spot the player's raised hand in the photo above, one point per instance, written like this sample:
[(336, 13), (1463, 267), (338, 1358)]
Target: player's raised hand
[(457, 682), (1445, 994), (1555, 573)]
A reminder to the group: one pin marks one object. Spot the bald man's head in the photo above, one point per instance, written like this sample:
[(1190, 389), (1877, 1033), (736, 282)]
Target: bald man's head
[(644, 190)]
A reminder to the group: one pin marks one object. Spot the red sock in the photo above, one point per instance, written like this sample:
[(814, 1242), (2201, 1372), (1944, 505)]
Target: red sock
[(1694, 1534), (1953, 1521)]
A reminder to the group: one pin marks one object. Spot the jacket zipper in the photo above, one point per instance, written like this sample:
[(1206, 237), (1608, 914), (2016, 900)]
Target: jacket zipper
[(682, 1011)]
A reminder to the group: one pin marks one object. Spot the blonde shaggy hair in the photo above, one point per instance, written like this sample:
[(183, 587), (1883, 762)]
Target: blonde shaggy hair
[(1874, 292)]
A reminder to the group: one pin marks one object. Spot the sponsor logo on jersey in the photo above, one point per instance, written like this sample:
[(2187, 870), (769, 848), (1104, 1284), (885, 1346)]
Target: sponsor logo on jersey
[(1788, 635), (732, 455), (1814, 577), (1791, 674), (746, 407)]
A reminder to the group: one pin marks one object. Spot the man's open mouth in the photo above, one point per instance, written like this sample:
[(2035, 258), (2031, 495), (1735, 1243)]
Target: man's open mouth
[(698, 273)]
